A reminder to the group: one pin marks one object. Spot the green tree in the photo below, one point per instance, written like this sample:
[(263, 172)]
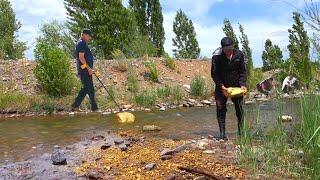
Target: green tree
[(10, 46), (271, 56), (57, 34), (185, 41), (229, 32), (149, 18), (113, 25), (300, 63), (246, 50)]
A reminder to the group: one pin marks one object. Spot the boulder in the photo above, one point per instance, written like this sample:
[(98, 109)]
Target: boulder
[(58, 158), (206, 102), (125, 117)]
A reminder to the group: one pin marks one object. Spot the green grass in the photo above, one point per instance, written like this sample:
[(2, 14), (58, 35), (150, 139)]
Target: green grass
[(120, 58), (132, 80), (170, 62), (146, 98), (176, 94), (163, 92), (153, 70), (199, 88), (292, 155)]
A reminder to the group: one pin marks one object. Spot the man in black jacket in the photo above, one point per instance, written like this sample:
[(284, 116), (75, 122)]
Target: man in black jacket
[(228, 70)]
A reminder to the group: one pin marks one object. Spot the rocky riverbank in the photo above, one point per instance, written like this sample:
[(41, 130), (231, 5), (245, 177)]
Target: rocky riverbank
[(129, 155)]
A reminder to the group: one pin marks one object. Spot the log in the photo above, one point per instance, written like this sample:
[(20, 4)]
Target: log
[(197, 171)]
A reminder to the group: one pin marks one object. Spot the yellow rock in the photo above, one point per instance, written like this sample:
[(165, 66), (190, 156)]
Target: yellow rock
[(236, 92), (125, 117)]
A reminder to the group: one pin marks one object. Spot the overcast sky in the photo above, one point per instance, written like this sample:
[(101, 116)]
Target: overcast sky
[(261, 19)]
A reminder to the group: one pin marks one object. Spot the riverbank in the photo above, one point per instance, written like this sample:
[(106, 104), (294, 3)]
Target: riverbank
[(132, 156)]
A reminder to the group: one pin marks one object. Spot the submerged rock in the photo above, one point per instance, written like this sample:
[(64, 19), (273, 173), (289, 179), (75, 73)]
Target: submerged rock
[(58, 158), (151, 128)]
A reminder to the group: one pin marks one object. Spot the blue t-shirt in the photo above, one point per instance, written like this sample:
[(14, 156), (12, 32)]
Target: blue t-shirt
[(82, 46)]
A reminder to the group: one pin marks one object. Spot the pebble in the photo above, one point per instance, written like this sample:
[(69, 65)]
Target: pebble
[(209, 152), (166, 157), (118, 141), (123, 147), (162, 109), (58, 158), (150, 166), (106, 146)]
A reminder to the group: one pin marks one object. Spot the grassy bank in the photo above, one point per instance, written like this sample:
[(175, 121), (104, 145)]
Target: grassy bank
[(278, 153)]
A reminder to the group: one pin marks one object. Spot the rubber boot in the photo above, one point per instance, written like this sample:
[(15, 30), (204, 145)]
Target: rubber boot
[(222, 128)]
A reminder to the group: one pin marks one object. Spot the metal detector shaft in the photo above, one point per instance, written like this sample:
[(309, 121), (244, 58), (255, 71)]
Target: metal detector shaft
[(107, 91)]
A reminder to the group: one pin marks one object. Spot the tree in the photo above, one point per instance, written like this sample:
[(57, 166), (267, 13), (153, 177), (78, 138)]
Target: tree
[(246, 49), (185, 41), (229, 32), (10, 46), (149, 18), (57, 34), (113, 25), (299, 50), (271, 56)]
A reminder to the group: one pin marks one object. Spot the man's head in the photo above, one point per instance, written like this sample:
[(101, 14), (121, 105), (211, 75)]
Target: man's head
[(86, 35), (227, 45)]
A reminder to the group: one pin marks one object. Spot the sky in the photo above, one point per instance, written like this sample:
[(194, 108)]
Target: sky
[(262, 19)]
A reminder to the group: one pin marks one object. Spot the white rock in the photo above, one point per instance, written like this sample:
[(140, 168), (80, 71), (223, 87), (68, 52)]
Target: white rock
[(206, 102), (191, 100), (106, 113), (188, 87), (71, 113), (209, 151), (286, 118), (162, 109)]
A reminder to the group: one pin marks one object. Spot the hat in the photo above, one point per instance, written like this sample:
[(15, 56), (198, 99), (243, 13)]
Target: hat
[(227, 43), (86, 31)]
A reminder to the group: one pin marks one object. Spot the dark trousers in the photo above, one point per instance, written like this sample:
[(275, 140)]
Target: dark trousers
[(87, 88), (221, 102)]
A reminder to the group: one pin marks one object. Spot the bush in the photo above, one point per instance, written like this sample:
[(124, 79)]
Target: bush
[(255, 78), (120, 57), (53, 70), (146, 98), (163, 92), (198, 87), (176, 94), (132, 80), (170, 62), (154, 73), (141, 46)]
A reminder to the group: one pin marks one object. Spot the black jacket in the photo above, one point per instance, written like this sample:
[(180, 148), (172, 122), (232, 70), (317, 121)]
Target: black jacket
[(230, 73)]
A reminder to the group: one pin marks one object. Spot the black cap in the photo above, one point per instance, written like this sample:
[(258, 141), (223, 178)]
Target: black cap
[(86, 31), (226, 42)]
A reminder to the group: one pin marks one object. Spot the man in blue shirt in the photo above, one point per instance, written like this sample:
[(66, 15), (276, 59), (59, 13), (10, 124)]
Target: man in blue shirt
[(85, 71)]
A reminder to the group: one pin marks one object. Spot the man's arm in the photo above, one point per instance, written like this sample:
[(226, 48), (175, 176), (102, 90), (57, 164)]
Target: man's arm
[(215, 72), (84, 63), (243, 72)]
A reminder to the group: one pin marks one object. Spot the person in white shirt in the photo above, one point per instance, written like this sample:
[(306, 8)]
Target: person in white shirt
[(289, 84)]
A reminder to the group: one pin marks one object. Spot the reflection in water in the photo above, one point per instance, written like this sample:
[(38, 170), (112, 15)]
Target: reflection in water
[(20, 138)]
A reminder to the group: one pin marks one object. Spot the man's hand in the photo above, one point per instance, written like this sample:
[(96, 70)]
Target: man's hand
[(224, 90), (90, 71)]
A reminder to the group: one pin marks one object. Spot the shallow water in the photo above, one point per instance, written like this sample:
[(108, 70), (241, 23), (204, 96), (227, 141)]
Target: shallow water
[(22, 138)]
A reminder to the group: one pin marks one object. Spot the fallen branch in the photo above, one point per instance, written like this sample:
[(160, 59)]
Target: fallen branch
[(197, 171)]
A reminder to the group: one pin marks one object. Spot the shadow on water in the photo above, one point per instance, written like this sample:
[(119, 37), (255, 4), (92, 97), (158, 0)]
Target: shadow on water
[(24, 137)]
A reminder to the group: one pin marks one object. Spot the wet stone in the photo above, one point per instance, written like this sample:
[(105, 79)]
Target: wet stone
[(58, 158)]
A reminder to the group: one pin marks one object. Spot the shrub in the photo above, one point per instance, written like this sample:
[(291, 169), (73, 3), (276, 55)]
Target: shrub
[(132, 80), (141, 46), (120, 57), (53, 70), (176, 94), (163, 92), (198, 87), (153, 70), (170, 62), (146, 98)]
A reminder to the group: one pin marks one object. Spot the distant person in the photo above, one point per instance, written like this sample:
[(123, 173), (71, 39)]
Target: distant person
[(289, 84), (85, 72), (266, 86), (228, 70)]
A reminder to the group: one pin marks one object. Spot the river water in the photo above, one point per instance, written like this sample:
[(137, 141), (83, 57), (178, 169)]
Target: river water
[(22, 138)]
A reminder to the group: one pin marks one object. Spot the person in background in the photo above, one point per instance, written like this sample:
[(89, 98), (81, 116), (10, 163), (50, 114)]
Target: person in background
[(289, 84), (85, 72), (228, 70), (266, 86)]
